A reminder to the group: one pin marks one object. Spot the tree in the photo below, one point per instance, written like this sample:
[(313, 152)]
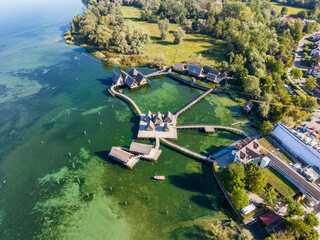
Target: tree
[(164, 28), (296, 73), (187, 25), (284, 11), (251, 86), (255, 180), (278, 67), (311, 102), (178, 35), (245, 235), (239, 198), (233, 176), (270, 196), (301, 230), (160, 60), (138, 40), (311, 220), (266, 128), (294, 207), (311, 27), (311, 83), (288, 120)]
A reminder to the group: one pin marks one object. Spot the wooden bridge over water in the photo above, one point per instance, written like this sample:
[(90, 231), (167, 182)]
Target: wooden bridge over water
[(198, 99), (205, 127), (187, 151), (113, 92)]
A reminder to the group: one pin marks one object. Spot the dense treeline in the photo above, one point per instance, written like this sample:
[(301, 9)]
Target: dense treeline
[(102, 26)]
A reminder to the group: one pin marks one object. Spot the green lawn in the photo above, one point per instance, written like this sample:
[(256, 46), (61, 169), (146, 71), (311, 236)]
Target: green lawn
[(270, 146), (280, 184), (187, 51), (291, 10)]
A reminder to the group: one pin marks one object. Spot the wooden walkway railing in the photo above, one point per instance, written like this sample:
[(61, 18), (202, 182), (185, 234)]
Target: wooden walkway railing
[(157, 73), (157, 143), (186, 127), (120, 95), (186, 151), (192, 103)]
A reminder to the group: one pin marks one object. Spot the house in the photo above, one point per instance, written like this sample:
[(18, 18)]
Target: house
[(130, 82), (166, 127), (157, 119), (212, 77), (148, 117), (195, 70), (207, 69), (126, 158), (179, 67), (248, 151), (247, 107), (150, 126), (133, 72), (141, 79), (168, 117), (117, 78), (140, 148), (270, 221)]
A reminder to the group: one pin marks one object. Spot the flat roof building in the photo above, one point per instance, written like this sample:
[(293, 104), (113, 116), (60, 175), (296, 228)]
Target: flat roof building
[(296, 146)]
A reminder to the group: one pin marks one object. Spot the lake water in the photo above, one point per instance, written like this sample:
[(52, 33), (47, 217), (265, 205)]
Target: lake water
[(51, 92)]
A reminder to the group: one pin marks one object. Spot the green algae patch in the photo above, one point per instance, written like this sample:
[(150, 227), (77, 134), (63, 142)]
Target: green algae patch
[(93, 110), (79, 208)]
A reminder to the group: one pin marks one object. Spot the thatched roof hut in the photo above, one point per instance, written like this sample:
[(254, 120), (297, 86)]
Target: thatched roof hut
[(130, 82), (150, 126), (140, 148), (166, 127), (141, 79), (133, 72), (117, 78), (168, 117), (195, 70), (207, 69), (157, 119), (124, 157), (148, 116)]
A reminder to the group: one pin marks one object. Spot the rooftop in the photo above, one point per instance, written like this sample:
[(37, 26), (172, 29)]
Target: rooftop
[(269, 217), (140, 148)]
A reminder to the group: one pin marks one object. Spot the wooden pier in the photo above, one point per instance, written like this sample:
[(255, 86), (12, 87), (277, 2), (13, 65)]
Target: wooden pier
[(198, 99), (126, 98), (187, 151), (215, 127)]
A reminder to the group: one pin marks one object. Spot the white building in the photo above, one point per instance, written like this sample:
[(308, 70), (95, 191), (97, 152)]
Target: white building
[(296, 146)]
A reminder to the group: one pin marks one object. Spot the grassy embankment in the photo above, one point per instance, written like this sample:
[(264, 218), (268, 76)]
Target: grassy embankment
[(280, 184), (270, 146), (189, 50), (291, 10)]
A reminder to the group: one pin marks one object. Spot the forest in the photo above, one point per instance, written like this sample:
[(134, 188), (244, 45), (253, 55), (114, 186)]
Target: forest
[(251, 29)]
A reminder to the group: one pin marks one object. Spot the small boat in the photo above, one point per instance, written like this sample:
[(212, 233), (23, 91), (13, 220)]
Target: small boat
[(159, 177)]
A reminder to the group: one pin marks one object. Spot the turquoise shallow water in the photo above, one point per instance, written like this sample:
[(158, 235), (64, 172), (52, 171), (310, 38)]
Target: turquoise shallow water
[(51, 92)]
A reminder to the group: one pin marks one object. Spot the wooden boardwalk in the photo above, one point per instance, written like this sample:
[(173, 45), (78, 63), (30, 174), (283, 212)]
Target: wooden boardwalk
[(187, 127), (120, 95), (187, 151), (198, 99), (157, 73)]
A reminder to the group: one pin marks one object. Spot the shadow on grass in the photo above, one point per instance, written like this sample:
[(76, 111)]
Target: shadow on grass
[(205, 201)]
